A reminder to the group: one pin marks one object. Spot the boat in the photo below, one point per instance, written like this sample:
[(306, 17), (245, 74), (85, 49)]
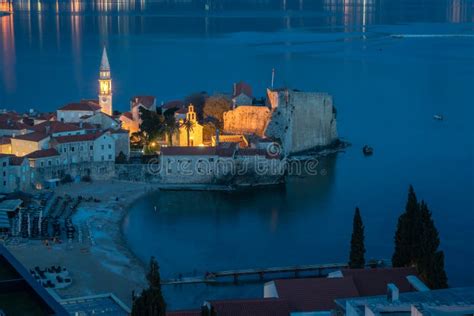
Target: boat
[(367, 150), (438, 117)]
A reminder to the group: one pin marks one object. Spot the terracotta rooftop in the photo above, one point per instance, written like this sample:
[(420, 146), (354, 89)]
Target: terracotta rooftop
[(145, 100), (4, 140), (32, 137), (371, 282), (242, 88), (16, 161), (257, 307), (315, 294), (51, 127), (128, 115), (12, 125), (80, 106), (51, 152), (319, 294), (78, 138)]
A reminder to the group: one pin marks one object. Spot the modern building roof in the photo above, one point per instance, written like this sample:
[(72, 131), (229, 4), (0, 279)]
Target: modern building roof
[(454, 301), (43, 153), (32, 137), (81, 106), (78, 138), (20, 293), (145, 100), (103, 304), (256, 307), (10, 205)]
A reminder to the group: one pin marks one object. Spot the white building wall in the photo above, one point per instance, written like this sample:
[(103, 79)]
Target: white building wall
[(72, 116), (104, 148)]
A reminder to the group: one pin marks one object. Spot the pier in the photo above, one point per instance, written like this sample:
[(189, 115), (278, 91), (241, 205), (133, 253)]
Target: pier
[(294, 271)]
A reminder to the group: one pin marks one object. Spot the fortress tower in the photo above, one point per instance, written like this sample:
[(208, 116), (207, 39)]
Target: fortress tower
[(105, 85)]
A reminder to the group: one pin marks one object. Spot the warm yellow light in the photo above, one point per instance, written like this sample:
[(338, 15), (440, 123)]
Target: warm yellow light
[(153, 144)]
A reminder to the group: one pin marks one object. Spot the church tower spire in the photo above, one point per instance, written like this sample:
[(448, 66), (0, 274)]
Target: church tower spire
[(105, 85)]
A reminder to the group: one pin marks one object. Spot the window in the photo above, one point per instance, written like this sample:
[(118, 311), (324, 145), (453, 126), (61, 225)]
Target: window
[(49, 163), (42, 163), (4, 164), (4, 174), (102, 147), (72, 148), (4, 183), (103, 158), (110, 146), (110, 157), (91, 147)]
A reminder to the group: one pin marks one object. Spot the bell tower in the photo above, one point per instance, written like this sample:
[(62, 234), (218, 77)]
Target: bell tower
[(105, 85)]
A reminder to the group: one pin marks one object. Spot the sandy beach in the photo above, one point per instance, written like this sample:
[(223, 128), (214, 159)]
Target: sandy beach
[(99, 261)]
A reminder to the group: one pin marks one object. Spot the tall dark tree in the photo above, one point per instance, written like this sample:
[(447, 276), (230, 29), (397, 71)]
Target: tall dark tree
[(150, 302), (407, 238), (357, 255), (430, 262)]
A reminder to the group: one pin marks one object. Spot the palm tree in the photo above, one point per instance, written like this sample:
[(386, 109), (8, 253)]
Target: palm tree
[(188, 125), (170, 128)]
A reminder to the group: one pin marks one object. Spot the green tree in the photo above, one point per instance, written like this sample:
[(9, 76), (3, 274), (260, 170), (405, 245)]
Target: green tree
[(407, 238), (151, 301), (121, 158), (357, 254)]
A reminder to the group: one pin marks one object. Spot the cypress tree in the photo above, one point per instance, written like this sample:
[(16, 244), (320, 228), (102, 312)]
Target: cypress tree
[(430, 262), (357, 254), (151, 301), (407, 237)]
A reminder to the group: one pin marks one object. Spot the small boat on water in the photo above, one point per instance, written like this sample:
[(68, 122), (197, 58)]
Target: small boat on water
[(438, 117), (367, 150)]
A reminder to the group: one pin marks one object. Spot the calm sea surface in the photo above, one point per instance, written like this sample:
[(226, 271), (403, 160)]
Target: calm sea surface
[(386, 91)]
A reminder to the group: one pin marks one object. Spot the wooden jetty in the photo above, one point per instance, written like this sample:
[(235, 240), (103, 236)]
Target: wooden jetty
[(320, 269)]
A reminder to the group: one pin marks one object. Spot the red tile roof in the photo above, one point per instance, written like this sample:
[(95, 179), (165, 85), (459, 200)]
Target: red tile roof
[(16, 161), (315, 294), (128, 115), (319, 294), (51, 127), (145, 100), (175, 104), (242, 88), (78, 138), (43, 153), (80, 106), (4, 140), (32, 137), (9, 124), (370, 282), (257, 307)]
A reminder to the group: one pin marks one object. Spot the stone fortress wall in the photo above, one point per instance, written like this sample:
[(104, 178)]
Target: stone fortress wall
[(247, 119), (301, 120)]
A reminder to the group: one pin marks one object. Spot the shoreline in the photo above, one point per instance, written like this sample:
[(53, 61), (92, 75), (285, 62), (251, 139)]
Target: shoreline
[(102, 262)]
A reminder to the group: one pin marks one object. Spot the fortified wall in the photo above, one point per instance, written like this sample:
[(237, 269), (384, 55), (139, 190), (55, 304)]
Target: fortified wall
[(247, 119), (301, 120)]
